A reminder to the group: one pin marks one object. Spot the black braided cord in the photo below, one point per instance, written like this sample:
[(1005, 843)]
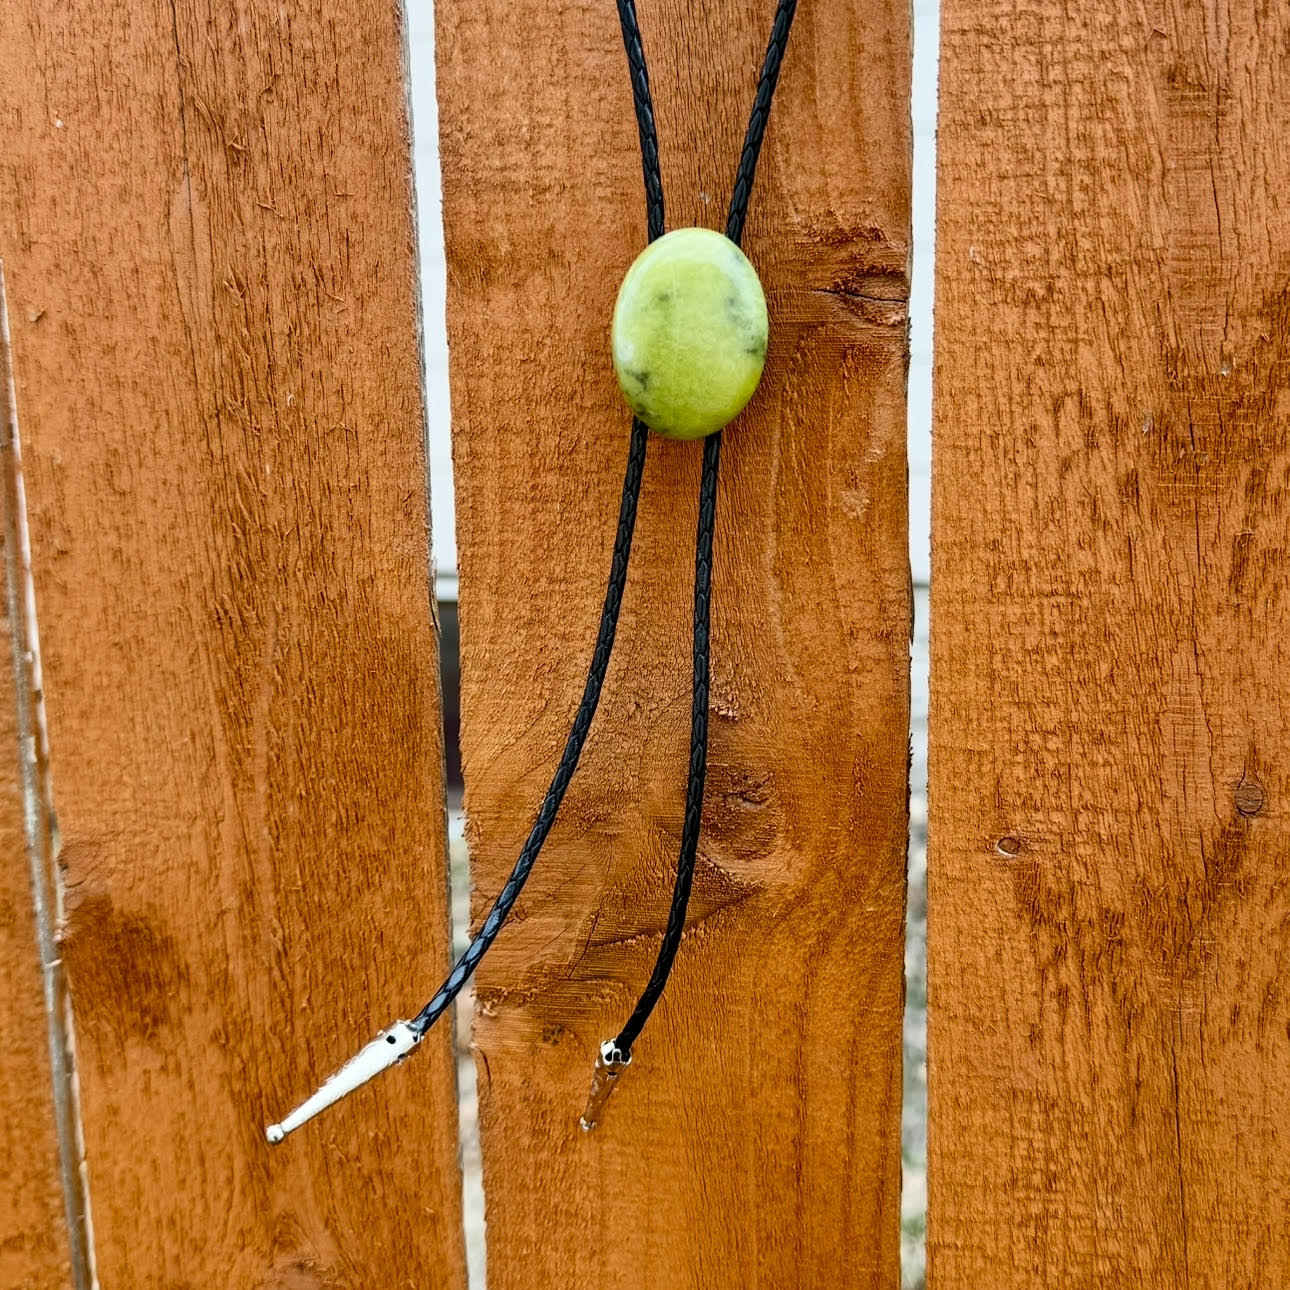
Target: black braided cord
[(644, 106), (739, 199), (759, 118), (568, 764), (506, 898), (698, 754), (509, 894)]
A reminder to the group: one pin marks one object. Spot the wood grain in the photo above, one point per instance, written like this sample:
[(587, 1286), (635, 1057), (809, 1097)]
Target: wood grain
[(1110, 903), (755, 1141), (205, 217)]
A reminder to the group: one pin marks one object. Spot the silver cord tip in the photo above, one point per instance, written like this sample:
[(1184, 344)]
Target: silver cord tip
[(610, 1064), (389, 1048)]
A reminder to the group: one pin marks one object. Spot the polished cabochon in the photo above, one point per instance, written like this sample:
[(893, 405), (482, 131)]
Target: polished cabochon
[(690, 332)]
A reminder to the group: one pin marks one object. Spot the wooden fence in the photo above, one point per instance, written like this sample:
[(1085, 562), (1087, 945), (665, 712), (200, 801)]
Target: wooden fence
[(222, 813)]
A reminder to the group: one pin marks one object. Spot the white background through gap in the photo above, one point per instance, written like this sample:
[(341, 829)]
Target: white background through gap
[(430, 217)]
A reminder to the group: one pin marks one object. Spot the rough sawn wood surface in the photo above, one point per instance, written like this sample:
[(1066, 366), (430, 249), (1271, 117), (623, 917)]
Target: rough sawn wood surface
[(205, 219), (1109, 922), (755, 1141)]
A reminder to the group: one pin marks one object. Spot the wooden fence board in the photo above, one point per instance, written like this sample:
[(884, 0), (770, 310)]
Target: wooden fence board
[(205, 218), (1110, 903), (755, 1142)]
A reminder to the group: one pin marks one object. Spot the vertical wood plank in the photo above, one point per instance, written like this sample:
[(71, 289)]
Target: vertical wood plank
[(205, 216), (755, 1141), (1110, 911)]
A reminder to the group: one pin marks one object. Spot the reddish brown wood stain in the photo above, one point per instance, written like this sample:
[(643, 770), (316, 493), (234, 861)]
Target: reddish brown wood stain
[(205, 222), (1109, 1024), (755, 1140)]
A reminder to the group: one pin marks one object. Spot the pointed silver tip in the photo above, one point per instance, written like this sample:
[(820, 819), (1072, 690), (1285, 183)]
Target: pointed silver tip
[(389, 1048), (610, 1064)]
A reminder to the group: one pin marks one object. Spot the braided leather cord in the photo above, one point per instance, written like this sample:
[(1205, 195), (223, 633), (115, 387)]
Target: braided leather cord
[(644, 117), (568, 764), (508, 895), (564, 772), (759, 118), (739, 199), (698, 752)]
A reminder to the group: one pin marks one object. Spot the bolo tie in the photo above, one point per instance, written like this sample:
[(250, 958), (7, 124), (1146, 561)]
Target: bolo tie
[(689, 339)]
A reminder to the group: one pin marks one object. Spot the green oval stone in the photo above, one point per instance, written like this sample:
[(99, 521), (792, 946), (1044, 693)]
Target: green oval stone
[(689, 334)]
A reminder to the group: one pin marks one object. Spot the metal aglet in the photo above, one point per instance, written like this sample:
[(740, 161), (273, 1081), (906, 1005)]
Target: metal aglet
[(389, 1048), (609, 1066)]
